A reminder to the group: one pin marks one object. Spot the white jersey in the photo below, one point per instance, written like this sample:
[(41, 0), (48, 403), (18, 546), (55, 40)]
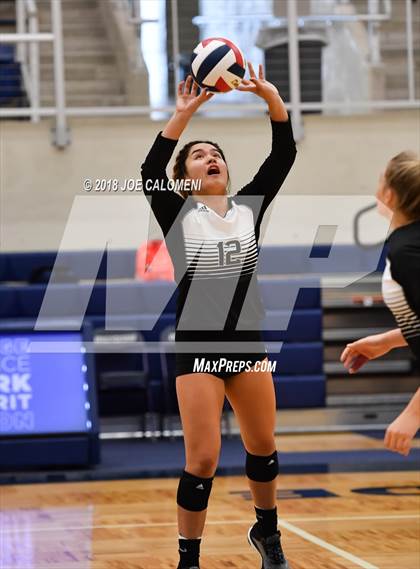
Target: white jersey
[(214, 256)]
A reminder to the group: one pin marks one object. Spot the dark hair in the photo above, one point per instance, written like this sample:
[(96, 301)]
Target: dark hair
[(402, 174), (180, 171)]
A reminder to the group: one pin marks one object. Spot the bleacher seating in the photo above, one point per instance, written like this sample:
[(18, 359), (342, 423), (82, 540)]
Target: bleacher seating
[(11, 88), (78, 293), (273, 260), (296, 345), (294, 259)]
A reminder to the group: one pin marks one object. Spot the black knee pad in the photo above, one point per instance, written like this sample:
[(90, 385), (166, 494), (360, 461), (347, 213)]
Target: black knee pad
[(262, 468), (193, 492)]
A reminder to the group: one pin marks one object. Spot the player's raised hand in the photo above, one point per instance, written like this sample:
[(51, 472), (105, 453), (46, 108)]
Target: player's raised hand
[(258, 85), (189, 99)]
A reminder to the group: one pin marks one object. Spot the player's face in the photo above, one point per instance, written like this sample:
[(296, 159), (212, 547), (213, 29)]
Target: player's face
[(205, 163), (384, 199)]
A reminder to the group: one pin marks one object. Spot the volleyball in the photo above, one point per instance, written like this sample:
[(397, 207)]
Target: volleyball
[(217, 64)]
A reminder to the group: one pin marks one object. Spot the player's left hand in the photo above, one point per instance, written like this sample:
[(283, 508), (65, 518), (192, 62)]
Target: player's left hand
[(258, 85), (356, 354), (401, 432)]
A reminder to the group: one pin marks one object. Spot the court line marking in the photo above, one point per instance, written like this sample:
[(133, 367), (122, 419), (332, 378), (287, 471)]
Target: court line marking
[(210, 523), (325, 545)]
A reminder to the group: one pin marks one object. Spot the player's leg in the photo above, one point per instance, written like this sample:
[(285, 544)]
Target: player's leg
[(253, 400), (200, 400)]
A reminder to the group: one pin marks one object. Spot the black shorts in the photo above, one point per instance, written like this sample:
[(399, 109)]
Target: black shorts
[(223, 363)]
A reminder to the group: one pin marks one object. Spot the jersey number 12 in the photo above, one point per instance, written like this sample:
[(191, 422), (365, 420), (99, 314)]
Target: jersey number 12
[(227, 251)]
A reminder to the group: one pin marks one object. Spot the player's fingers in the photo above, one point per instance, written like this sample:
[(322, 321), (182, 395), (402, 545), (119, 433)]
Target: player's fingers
[(181, 87), (344, 354), (248, 88), (351, 354), (357, 363), (402, 442), (391, 440), (194, 89), (188, 84), (352, 367), (251, 71), (387, 438), (205, 95), (406, 449), (399, 445), (348, 361), (260, 71)]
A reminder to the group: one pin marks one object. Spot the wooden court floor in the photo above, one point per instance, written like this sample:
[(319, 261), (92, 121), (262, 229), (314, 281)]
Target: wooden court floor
[(356, 520)]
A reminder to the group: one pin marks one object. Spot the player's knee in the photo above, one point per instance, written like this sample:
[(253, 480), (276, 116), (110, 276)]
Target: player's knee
[(194, 492), (260, 445), (262, 468), (203, 465)]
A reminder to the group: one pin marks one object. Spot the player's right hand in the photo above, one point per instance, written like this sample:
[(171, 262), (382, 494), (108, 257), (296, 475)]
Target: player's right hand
[(401, 432), (188, 99), (356, 354)]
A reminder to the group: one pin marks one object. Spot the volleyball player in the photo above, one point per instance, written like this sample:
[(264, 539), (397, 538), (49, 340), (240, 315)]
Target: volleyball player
[(212, 238), (399, 192)]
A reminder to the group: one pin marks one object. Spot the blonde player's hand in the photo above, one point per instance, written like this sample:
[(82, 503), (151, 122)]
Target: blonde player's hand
[(401, 432), (356, 354)]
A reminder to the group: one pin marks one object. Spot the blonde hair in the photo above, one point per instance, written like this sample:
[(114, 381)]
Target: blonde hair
[(403, 176)]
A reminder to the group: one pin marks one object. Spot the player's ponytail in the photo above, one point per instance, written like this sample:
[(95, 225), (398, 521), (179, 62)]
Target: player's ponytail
[(403, 176)]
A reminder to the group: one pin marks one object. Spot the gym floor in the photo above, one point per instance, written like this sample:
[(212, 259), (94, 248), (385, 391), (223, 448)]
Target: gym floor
[(361, 511)]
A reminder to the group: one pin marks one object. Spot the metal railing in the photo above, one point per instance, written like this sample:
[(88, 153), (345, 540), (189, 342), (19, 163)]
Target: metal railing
[(27, 31), (292, 23), (27, 22)]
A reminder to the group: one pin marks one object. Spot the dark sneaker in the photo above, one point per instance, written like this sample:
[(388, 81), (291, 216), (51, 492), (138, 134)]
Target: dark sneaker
[(269, 548)]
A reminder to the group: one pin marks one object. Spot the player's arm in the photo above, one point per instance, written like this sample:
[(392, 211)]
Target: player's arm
[(165, 203), (187, 103), (394, 338), (405, 269), (357, 353), (277, 165)]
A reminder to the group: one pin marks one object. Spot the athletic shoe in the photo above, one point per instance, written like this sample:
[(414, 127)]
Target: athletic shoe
[(269, 548)]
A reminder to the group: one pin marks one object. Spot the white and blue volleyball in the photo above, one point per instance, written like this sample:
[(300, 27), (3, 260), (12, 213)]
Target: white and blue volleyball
[(217, 64)]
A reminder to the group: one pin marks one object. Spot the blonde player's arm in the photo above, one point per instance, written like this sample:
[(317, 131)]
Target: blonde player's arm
[(356, 354), (402, 431), (395, 339)]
